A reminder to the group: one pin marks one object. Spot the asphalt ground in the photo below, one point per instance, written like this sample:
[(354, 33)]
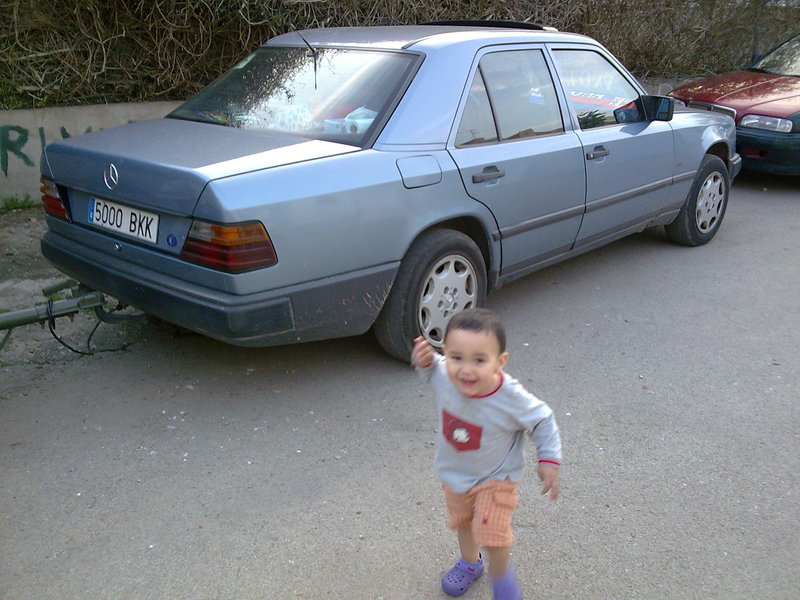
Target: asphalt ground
[(183, 468)]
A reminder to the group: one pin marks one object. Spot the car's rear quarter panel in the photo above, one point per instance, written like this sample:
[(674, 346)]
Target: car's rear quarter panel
[(335, 215)]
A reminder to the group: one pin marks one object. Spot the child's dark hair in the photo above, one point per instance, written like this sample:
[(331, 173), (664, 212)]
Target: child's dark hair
[(479, 320)]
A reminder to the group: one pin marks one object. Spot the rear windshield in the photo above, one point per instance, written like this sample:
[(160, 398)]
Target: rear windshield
[(339, 95)]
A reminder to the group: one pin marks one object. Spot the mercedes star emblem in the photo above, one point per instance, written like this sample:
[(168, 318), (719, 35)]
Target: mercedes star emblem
[(111, 176)]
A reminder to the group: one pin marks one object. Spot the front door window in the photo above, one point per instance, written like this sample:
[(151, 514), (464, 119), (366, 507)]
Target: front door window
[(599, 94)]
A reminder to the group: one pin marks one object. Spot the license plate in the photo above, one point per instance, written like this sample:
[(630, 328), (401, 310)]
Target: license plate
[(136, 223)]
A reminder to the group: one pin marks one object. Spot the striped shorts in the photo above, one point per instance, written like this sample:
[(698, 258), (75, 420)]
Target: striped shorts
[(488, 507)]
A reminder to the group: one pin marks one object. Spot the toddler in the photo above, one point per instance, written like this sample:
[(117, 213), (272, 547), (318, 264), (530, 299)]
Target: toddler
[(485, 414)]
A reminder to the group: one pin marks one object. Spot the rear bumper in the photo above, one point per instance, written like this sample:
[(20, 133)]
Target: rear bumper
[(333, 307), (768, 151)]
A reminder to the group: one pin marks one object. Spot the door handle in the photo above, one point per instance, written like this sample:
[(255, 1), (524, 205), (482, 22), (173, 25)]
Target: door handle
[(488, 175), (598, 152)]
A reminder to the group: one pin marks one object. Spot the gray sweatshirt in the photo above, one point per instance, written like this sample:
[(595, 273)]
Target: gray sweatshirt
[(483, 438)]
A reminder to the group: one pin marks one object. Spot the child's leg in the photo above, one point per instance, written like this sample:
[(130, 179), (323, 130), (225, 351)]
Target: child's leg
[(494, 507), (470, 566), (460, 508), (470, 551), (499, 559)]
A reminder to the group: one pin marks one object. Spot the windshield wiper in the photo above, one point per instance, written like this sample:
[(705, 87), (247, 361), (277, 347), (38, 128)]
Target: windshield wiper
[(198, 117)]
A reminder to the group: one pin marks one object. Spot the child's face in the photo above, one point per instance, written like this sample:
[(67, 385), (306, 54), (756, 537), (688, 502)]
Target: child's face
[(473, 361)]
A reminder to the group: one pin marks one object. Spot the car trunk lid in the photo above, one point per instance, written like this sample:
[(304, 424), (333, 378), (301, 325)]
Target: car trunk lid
[(164, 164)]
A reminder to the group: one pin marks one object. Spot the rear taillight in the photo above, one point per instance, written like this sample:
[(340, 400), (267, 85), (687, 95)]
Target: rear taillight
[(231, 248), (51, 199)]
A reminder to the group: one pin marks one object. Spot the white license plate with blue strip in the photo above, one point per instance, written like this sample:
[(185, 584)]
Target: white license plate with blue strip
[(129, 221)]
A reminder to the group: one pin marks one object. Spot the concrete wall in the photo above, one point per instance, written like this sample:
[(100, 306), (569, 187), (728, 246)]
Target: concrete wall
[(23, 133)]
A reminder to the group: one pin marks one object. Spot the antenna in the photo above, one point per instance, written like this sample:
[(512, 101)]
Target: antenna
[(313, 54)]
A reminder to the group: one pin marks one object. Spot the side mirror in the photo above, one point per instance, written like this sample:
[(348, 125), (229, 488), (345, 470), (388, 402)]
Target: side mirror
[(657, 108)]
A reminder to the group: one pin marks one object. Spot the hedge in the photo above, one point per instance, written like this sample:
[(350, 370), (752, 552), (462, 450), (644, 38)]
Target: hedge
[(95, 51)]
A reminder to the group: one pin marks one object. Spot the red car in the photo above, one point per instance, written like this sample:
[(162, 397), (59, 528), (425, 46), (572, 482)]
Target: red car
[(765, 102)]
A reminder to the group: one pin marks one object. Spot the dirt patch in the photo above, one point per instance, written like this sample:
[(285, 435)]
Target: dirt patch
[(23, 269), (20, 232), (23, 274)]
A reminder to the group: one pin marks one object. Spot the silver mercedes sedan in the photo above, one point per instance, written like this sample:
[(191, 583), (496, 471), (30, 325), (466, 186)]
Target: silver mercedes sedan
[(343, 179)]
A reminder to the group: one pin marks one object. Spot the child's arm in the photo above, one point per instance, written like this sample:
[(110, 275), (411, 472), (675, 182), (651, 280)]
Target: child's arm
[(422, 354), (547, 439)]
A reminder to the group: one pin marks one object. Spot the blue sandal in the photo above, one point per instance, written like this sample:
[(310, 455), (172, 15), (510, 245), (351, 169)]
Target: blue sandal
[(506, 586), (459, 579)]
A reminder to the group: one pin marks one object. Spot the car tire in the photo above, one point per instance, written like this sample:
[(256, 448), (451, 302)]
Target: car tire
[(701, 215), (442, 273)]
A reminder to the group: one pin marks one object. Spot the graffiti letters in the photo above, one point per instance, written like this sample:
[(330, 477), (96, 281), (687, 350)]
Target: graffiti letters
[(12, 139), (15, 141)]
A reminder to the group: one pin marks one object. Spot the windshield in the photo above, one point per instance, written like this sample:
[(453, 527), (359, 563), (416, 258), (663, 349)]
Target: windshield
[(338, 95), (784, 60)]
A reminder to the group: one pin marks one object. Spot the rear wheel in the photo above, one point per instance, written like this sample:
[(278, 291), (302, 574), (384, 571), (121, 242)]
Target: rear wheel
[(702, 213), (441, 274)]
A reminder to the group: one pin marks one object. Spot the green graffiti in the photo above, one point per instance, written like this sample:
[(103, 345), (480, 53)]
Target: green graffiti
[(65, 134), (12, 139)]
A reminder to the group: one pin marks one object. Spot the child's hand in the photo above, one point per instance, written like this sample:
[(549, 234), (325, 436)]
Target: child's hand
[(422, 354), (549, 478)]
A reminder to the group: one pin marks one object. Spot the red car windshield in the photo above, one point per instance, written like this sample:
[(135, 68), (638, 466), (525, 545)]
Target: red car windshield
[(784, 60)]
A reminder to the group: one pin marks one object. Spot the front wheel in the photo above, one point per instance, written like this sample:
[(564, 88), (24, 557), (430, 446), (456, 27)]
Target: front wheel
[(702, 213), (441, 274)]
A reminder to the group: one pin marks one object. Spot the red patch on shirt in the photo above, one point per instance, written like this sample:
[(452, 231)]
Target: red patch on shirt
[(461, 434)]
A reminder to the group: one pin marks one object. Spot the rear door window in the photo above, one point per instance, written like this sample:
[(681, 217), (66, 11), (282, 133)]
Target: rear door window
[(511, 97)]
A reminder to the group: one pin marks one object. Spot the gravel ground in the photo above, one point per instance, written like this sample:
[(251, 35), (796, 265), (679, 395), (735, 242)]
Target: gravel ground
[(182, 468)]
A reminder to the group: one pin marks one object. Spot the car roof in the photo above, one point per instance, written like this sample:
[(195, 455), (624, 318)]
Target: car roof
[(421, 37)]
